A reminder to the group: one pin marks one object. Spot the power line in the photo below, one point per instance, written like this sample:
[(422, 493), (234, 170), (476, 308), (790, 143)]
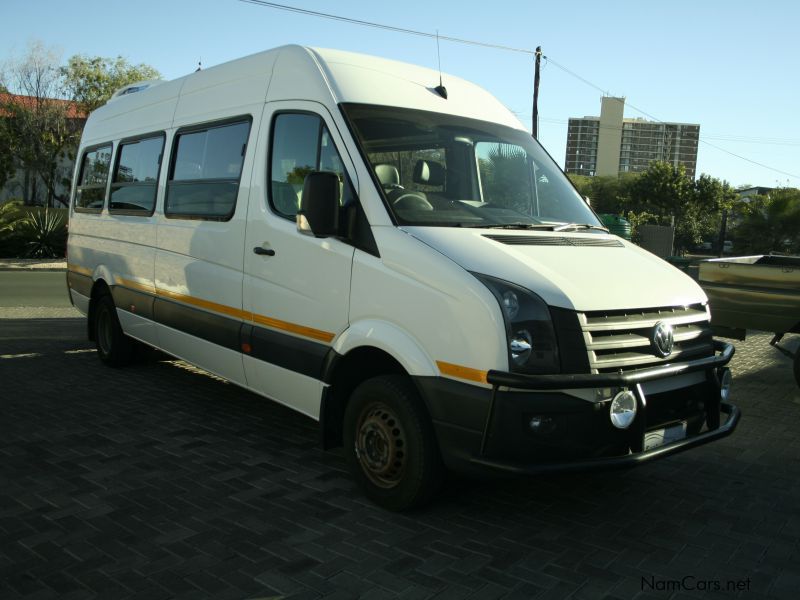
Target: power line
[(314, 13)]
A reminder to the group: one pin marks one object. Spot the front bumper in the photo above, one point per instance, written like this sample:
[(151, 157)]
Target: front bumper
[(481, 430)]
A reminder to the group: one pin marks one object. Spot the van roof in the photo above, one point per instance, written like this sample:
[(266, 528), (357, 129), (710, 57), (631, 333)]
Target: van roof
[(290, 72)]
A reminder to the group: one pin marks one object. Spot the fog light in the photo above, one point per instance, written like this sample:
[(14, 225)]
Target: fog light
[(725, 379), (623, 409), (542, 425)]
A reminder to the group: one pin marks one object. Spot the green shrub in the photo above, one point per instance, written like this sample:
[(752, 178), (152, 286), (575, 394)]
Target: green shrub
[(45, 235), (32, 231), (12, 217)]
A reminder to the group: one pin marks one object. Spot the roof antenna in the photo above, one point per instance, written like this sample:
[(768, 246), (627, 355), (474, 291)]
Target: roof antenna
[(199, 65), (440, 89)]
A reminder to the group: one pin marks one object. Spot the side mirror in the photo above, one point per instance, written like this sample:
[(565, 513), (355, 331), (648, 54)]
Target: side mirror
[(319, 205), (587, 200)]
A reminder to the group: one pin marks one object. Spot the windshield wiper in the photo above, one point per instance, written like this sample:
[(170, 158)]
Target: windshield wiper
[(511, 226), (570, 226)]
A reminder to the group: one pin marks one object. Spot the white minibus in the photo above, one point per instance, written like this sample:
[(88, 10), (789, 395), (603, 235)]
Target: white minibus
[(394, 258)]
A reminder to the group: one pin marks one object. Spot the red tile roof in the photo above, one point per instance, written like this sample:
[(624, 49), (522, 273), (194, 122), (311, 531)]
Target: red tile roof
[(73, 110)]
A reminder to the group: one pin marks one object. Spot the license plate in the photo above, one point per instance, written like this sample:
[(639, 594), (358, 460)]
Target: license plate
[(659, 437)]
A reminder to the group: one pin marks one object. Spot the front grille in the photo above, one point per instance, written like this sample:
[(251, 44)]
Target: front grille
[(621, 339)]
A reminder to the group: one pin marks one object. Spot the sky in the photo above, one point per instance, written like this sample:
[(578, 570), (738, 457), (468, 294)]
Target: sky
[(729, 65)]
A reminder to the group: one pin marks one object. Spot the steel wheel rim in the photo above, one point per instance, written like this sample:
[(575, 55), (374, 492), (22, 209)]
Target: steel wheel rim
[(104, 331), (381, 445)]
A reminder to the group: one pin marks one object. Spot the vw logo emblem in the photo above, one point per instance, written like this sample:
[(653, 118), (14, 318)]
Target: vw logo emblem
[(662, 339)]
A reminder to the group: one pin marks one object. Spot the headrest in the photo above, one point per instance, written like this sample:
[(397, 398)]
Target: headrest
[(429, 173), (387, 175)]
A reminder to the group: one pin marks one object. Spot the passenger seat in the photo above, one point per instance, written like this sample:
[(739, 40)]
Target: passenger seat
[(389, 176)]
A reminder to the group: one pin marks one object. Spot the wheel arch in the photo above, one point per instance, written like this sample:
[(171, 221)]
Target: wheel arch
[(370, 349)]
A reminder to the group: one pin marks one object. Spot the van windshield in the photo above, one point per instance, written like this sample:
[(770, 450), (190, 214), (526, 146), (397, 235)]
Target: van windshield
[(442, 170)]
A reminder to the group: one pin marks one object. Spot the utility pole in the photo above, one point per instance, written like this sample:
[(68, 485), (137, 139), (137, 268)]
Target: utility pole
[(723, 232), (535, 127)]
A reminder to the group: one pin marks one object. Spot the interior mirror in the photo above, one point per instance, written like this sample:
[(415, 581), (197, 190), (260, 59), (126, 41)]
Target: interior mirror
[(319, 205)]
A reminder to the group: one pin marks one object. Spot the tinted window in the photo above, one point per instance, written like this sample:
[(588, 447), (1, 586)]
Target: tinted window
[(139, 161), (91, 190), (206, 170), (301, 143), (135, 181)]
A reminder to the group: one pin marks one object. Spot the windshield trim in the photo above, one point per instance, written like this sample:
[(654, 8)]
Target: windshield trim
[(365, 160)]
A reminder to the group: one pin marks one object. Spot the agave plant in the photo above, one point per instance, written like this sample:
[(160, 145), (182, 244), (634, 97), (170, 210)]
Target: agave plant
[(46, 233)]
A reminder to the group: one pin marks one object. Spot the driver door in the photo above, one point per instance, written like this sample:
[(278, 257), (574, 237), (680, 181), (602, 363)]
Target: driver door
[(296, 286)]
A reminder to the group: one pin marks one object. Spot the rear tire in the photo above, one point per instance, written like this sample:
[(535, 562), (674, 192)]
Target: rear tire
[(797, 366), (113, 347), (390, 444)]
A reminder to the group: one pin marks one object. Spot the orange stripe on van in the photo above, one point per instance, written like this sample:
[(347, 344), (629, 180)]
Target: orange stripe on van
[(310, 332), (461, 372), (79, 269), (206, 304), (135, 285)]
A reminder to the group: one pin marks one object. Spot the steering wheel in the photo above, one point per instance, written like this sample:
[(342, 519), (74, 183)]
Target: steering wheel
[(405, 200)]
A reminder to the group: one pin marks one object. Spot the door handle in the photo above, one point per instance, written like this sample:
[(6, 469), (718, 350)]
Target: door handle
[(264, 251)]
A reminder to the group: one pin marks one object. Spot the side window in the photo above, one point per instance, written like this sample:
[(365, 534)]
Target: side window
[(301, 143), (135, 181), (90, 194), (205, 172)]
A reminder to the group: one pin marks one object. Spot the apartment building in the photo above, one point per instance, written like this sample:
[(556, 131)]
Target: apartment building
[(611, 144)]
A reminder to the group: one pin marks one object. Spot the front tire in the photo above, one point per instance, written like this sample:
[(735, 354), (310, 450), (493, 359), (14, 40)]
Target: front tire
[(390, 444), (797, 366), (113, 347)]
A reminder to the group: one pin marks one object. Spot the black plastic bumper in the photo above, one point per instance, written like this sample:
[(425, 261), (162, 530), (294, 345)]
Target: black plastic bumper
[(484, 430), (616, 462)]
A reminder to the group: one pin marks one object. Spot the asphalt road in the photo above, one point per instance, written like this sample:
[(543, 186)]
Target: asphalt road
[(33, 288)]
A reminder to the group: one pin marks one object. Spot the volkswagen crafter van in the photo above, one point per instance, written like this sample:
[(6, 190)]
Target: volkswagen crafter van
[(395, 259)]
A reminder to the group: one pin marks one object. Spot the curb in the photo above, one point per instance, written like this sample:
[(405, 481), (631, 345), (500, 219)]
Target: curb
[(11, 264), (34, 269)]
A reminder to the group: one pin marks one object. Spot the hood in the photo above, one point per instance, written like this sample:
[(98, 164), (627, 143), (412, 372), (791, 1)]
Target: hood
[(579, 271)]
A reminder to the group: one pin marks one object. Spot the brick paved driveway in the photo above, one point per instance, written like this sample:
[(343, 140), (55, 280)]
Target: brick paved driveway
[(159, 481)]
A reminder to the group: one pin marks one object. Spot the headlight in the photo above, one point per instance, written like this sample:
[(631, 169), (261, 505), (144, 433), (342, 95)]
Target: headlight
[(530, 336)]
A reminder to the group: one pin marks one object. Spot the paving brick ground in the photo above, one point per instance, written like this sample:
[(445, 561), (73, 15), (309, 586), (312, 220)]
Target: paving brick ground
[(159, 481)]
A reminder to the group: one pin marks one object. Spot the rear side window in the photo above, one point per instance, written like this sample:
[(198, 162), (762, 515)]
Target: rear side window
[(90, 194), (206, 169), (301, 143), (135, 181)]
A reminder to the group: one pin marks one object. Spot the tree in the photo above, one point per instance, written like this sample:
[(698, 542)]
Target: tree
[(770, 223), (38, 127), (667, 193), (505, 177), (608, 193), (91, 80), (6, 152)]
